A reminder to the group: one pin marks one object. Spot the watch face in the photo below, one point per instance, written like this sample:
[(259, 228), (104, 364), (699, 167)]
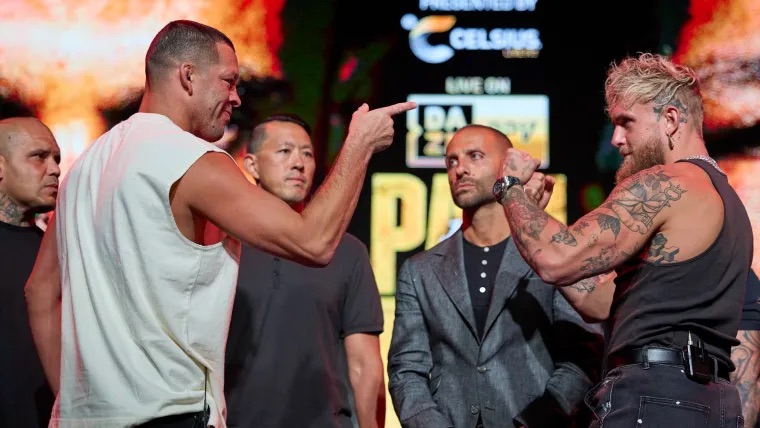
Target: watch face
[(498, 188)]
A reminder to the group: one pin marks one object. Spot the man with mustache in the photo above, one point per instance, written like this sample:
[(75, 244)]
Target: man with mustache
[(303, 340), (478, 339), (677, 236), (29, 157), (133, 284)]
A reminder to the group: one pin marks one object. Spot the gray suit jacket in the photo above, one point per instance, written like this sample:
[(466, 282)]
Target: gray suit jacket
[(533, 366)]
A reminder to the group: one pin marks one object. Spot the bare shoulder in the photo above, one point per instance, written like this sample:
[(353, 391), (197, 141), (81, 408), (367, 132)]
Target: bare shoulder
[(669, 187)]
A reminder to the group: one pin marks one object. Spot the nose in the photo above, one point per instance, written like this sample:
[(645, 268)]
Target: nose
[(298, 163), (54, 169), (460, 170), (234, 98), (618, 137)]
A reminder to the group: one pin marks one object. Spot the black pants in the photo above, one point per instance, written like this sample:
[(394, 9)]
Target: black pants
[(661, 396), (186, 420)]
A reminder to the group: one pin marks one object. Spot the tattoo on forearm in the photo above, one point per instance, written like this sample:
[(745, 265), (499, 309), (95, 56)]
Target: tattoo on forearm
[(564, 237), (636, 204), (10, 212), (659, 252), (746, 377), (592, 241), (531, 220)]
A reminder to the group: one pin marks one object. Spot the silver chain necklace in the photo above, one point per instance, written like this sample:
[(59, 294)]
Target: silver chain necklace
[(709, 160)]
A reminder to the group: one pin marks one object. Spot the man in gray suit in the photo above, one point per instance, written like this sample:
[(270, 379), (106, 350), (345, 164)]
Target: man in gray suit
[(478, 339)]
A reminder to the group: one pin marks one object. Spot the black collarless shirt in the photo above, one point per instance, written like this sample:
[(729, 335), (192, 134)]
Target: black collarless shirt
[(25, 398), (286, 360), (481, 264)]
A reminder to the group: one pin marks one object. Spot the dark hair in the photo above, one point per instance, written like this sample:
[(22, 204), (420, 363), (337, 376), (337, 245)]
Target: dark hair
[(259, 132), (180, 41)]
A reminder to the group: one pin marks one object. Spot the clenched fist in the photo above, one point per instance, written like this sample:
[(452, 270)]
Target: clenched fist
[(375, 127), (519, 164), (539, 189)]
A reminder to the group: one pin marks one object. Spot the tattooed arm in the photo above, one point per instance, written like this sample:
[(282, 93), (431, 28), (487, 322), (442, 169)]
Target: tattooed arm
[(601, 240), (746, 377), (591, 297)]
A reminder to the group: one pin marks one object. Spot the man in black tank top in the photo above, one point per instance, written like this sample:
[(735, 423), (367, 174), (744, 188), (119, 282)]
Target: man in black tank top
[(678, 239)]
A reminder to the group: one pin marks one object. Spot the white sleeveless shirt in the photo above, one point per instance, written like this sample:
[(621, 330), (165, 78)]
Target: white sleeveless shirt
[(145, 310)]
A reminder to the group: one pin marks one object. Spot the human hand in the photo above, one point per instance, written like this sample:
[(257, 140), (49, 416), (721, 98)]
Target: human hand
[(375, 127), (539, 189), (518, 164)]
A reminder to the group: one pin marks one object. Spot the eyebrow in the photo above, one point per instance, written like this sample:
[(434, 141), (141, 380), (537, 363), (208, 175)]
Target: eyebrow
[(621, 117), (47, 152)]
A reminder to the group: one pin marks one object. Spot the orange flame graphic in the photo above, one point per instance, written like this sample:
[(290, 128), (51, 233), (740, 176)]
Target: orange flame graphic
[(73, 58)]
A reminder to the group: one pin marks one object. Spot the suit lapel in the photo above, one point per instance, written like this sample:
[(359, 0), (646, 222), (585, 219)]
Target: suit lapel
[(512, 269), (449, 268)]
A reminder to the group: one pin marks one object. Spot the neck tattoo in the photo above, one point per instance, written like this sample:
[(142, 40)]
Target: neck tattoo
[(11, 213)]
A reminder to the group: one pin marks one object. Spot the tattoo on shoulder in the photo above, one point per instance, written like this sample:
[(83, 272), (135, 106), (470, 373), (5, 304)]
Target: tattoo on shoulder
[(659, 252), (638, 201)]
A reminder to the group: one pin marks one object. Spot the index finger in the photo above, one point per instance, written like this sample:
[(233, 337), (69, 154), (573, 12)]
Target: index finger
[(398, 108)]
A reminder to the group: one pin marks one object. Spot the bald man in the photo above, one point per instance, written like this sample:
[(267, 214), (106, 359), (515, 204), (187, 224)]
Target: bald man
[(29, 173)]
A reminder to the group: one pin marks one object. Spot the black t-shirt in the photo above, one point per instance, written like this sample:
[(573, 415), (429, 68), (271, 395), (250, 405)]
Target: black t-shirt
[(751, 309), (286, 361), (25, 398)]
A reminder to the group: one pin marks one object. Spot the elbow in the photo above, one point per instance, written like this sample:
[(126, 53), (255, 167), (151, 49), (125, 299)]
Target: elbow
[(320, 256), (555, 270), (322, 251)]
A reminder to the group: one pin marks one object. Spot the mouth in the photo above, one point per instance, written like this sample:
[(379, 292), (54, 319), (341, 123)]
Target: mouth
[(464, 186), (297, 180)]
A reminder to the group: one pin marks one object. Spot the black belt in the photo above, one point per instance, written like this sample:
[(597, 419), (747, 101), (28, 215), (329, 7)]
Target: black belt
[(655, 356)]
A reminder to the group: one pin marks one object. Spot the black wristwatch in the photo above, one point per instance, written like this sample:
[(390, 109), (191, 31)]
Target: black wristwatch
[(503, 184)]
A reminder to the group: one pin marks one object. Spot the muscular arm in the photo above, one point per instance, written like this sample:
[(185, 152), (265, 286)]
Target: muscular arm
[(365, 369), (601, 240), (746, 377), (215, 188), (43, 300)]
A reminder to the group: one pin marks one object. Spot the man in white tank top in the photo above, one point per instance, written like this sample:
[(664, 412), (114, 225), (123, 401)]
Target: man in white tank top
[(132, 288)]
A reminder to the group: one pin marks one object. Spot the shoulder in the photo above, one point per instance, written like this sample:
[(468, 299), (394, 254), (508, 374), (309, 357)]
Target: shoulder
[(449, 247), (664, 185)]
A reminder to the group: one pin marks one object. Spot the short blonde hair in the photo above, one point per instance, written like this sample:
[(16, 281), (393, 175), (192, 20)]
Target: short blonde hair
[(654, 78)]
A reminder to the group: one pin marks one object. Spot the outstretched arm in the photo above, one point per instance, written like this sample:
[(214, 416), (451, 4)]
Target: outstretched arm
[(215, 188), (601, 240)]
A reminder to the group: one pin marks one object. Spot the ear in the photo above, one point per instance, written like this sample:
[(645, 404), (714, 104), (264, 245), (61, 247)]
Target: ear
[(673, 119), (187, 74), (251, 165)]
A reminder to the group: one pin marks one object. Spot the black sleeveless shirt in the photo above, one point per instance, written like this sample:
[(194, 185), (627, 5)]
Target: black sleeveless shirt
[(657, 304)]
